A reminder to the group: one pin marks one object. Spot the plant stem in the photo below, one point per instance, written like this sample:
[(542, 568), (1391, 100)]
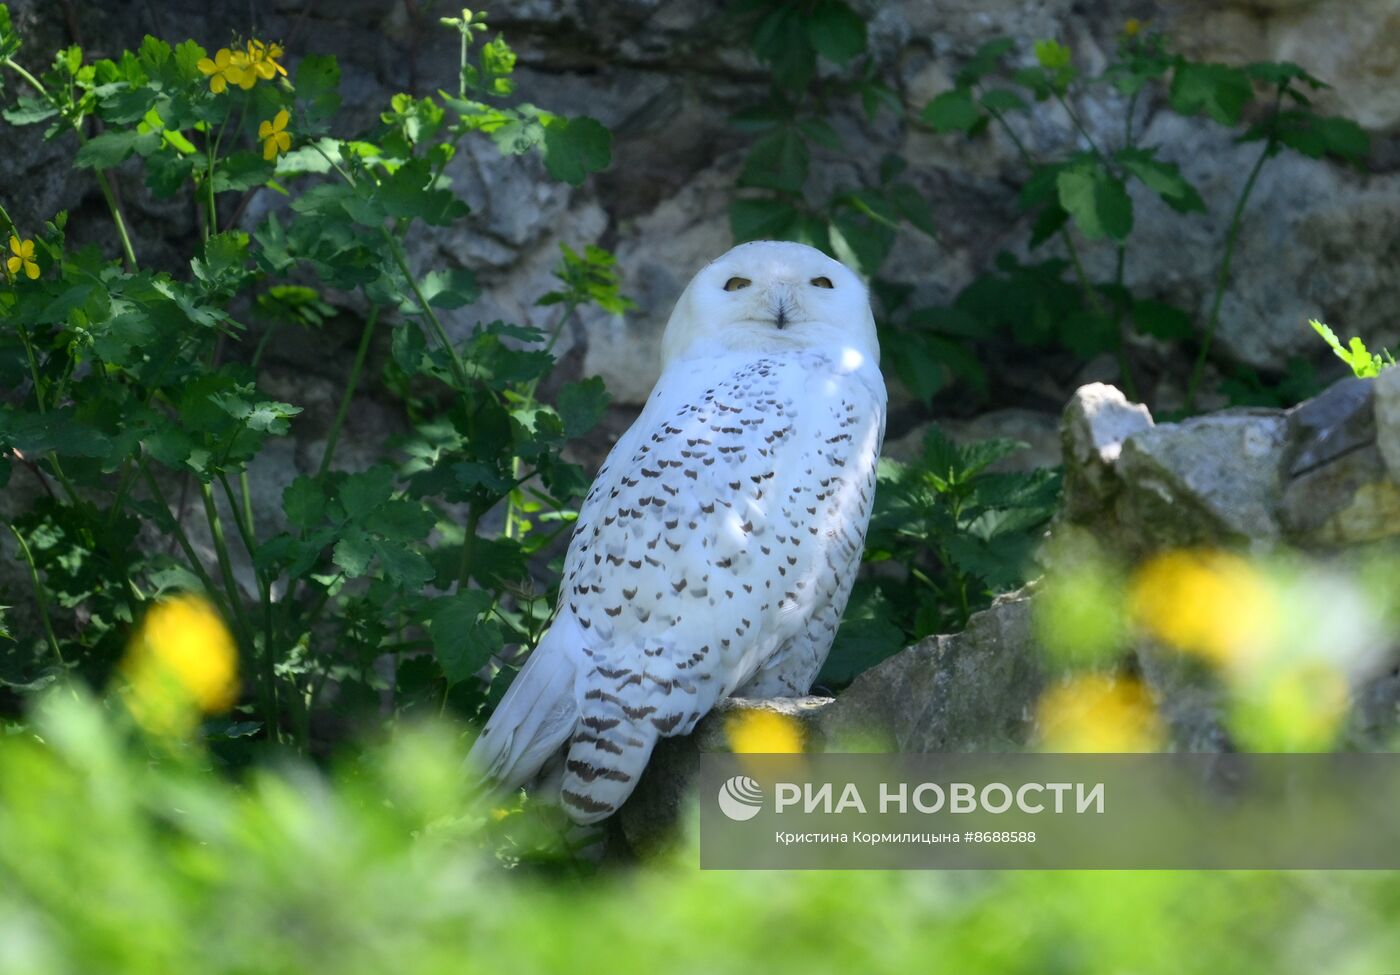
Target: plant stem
[(177, 531), (216, 531), (246, 533), (1091, 293), (41, 600), (1222, 279), (351, 382), (33, 365), (111, 199), (1079, 125), (459, 372), (464, 567)]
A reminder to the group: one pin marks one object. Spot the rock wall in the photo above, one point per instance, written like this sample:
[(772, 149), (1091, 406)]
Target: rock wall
[(665, 76)]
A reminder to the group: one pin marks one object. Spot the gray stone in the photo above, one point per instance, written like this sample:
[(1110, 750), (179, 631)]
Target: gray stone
[(1096, 422), (973, 689), (1387, 409), (1210, 480), (1337, 489)]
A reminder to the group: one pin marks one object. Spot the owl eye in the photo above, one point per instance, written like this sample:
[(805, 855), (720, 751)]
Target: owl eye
[(823, 283), (737, 284)]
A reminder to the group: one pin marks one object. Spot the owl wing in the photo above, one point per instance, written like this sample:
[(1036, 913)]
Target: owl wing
[(720, 528)]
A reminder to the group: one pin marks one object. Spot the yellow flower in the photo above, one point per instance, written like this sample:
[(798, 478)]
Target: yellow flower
[(228, 67), (276, 138), (1098, 714), (763, 733), (263, 58), (1212, 604), (180, 664), (1133, 27), (22, 252)]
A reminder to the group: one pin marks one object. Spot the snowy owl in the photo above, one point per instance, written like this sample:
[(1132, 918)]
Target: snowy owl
[(716, 549)]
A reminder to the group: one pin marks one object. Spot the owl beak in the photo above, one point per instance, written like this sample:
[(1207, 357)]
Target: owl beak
[(782, 304)]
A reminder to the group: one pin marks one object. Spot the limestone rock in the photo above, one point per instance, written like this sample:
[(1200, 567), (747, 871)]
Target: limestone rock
[(1338, 490), (1096, 422), (1350, 43), (1387, 410), (1211, 480)]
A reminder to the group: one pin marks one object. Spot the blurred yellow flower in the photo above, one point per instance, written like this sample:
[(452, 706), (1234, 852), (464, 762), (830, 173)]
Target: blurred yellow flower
[(276, 138), (180, 663), (22, 258), (226, 68), (1098, 713), (1209, 603), (763, 733), (263, 58), (1133, 27)]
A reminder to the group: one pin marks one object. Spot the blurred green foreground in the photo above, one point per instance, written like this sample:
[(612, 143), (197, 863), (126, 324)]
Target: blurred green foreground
[(122, 853)]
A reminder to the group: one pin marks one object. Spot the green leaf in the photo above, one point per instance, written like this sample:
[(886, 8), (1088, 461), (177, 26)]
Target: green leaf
[(408, 192), (402, 565), (304, 502), (166, 172), (1218, 90), (1047, 224), (242, 171), (575, 147), (1364, 364), (581, 405), (777, 161), (780, 40), (460, 642), (913, 207), (859, 645), (188, 54), (765, 218), (362, 493), (400, 519), (1315, 136), (1097, 200), (317, 90), (985, 60), (836, 31), (9, 40), (450, 289), (1087, 333), (1161, 320), (30, 111), (1004, 100), (1162, 178), (1052, 54), (952, 111), (353, 553), (110, 148)]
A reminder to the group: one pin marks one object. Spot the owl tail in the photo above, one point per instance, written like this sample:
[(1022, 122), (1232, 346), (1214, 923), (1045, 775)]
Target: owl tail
[(533, 720), (606, 757)]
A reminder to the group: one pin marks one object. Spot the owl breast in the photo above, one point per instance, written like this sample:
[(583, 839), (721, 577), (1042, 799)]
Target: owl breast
[(718, 545)]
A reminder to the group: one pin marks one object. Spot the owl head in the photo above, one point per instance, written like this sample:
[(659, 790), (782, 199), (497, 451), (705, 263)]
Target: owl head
[(772, 296)]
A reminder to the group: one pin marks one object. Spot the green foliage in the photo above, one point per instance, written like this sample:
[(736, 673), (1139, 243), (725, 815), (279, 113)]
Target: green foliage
[(120, 406), (1364, 363), (947, 535), (1087, 192), (855, 224), (129, 862)]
